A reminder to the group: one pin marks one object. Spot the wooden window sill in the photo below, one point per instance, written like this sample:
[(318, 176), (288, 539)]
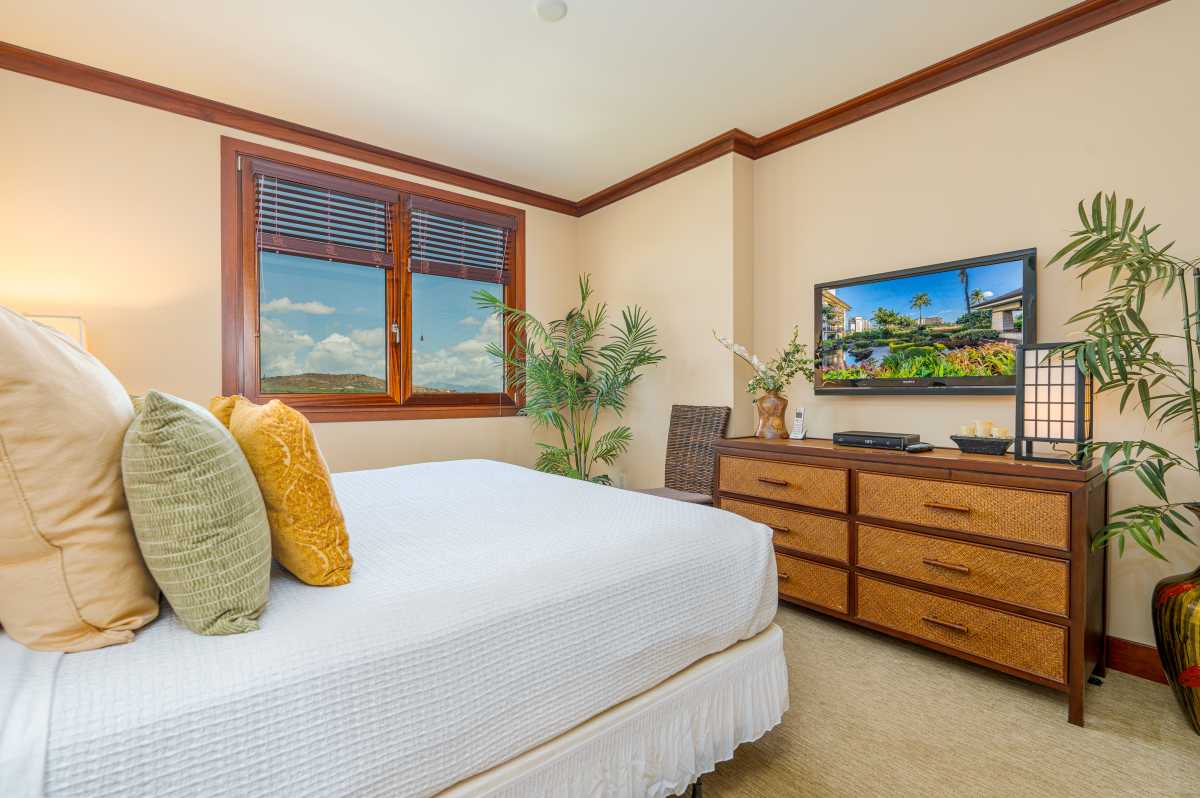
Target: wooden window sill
[(395, 412)]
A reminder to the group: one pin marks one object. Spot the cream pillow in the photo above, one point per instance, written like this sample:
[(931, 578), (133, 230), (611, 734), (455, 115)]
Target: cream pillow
[(71, 575)]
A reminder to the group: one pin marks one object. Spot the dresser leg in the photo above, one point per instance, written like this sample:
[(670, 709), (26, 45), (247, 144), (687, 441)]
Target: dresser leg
[(1075, 705), (697, 789)]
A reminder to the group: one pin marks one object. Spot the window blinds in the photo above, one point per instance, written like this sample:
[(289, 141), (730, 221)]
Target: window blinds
[(314, 217), (456, 241)]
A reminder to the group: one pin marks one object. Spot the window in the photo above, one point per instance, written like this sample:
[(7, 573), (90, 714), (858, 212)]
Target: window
[(348, 295)]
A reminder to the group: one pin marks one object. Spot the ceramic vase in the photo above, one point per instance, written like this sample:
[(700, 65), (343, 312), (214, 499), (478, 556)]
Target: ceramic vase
[(771, 407), (1176, 611)]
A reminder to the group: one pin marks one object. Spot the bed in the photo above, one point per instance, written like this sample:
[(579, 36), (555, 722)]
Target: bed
[(506, 633)]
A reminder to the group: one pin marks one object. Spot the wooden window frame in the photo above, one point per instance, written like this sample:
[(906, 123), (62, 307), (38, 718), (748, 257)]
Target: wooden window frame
[(239, 297)]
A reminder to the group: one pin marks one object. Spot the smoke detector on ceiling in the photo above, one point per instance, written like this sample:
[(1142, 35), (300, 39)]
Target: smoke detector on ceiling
[(550, 10)]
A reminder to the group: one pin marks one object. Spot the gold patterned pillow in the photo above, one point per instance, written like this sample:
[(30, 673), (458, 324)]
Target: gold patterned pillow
[(308, 532)]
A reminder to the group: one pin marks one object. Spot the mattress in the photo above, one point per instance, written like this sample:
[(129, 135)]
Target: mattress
[(492, 608)]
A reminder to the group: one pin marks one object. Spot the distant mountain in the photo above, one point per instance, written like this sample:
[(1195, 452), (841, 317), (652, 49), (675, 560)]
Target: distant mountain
[(333, 383), (323, 383)]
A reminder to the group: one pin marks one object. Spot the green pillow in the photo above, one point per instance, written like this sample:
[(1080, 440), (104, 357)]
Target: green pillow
[(198, 515)]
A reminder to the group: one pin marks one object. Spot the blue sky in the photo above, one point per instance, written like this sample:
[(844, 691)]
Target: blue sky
[(331, 318), (944, 289), (450, 335)]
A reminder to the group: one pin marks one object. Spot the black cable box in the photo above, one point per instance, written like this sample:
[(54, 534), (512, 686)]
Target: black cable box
[(876, 440)]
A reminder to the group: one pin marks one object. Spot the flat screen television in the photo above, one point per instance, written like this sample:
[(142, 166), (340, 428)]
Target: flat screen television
[(949, 328)]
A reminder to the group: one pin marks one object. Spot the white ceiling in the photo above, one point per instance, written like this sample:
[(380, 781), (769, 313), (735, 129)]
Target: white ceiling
[(484, 85)]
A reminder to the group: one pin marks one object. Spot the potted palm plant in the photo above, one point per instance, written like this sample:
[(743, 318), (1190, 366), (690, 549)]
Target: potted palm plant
[(1155, 370), (570, 377)]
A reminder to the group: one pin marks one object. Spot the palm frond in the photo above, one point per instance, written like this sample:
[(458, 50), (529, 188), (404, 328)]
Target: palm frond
[(1122, 352), (611, 445)]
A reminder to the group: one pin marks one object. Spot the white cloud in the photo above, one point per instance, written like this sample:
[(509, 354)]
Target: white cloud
[(286, 350), (283, 348), (285, 305), (372, 336), (342, 354), (470, 321), (466, 366)]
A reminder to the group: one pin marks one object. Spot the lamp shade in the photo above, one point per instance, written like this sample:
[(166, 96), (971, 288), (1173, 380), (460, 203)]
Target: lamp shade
[(1054, 404), (70, 326)]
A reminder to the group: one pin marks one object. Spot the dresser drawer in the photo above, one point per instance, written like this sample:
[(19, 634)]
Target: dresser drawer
[(814, 486), (1026, 645), (1029, 516), (815, 584), (1024, 579), (805, 532)]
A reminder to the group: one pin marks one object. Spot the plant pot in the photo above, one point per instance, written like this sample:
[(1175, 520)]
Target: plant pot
[(771, 407), (1176, 611)]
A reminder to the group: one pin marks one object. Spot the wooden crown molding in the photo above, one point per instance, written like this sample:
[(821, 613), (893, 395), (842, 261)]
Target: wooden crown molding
[(735, 140), (1054, 29), (1074, 21), (1057, 28), (82, 76)]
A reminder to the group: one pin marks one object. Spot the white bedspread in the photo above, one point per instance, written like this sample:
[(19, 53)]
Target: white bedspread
[(491, 609)]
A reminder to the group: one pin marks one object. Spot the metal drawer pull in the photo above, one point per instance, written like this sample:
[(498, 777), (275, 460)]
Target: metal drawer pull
[(949, 566), (954, 508), (957, 627), (783, 530), (779, 483), (783, 576)]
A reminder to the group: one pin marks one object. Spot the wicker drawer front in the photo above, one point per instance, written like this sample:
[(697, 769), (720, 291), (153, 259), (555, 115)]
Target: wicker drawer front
[(815, 486), (816, 584), (1027, 645), (806, 532), (1030, 516), (1037, 582)]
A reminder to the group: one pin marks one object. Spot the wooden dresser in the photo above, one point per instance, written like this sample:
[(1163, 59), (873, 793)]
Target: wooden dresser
[(985, 558)]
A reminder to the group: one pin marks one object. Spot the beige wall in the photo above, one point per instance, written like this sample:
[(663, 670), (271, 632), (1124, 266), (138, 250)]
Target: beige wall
[(993, 164), (673, 250), (110, 210)]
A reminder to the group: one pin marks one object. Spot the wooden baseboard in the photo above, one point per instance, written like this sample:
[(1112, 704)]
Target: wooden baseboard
[(1133, 658)]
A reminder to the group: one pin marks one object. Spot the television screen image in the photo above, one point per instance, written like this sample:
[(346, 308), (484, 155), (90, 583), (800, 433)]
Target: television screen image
[(947, 328)]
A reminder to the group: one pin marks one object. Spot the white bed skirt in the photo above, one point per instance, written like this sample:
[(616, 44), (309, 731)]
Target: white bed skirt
[(658, 743)]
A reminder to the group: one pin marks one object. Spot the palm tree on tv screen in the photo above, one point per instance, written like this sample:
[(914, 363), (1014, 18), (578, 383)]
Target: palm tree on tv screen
[(918, 302), (976, 297)]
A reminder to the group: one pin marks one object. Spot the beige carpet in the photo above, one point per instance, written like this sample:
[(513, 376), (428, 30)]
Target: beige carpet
[(871, 715)]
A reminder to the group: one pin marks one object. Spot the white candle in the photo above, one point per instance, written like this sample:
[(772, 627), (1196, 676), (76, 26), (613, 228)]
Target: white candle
[(967, 430), (983, 429), (999, 432)]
